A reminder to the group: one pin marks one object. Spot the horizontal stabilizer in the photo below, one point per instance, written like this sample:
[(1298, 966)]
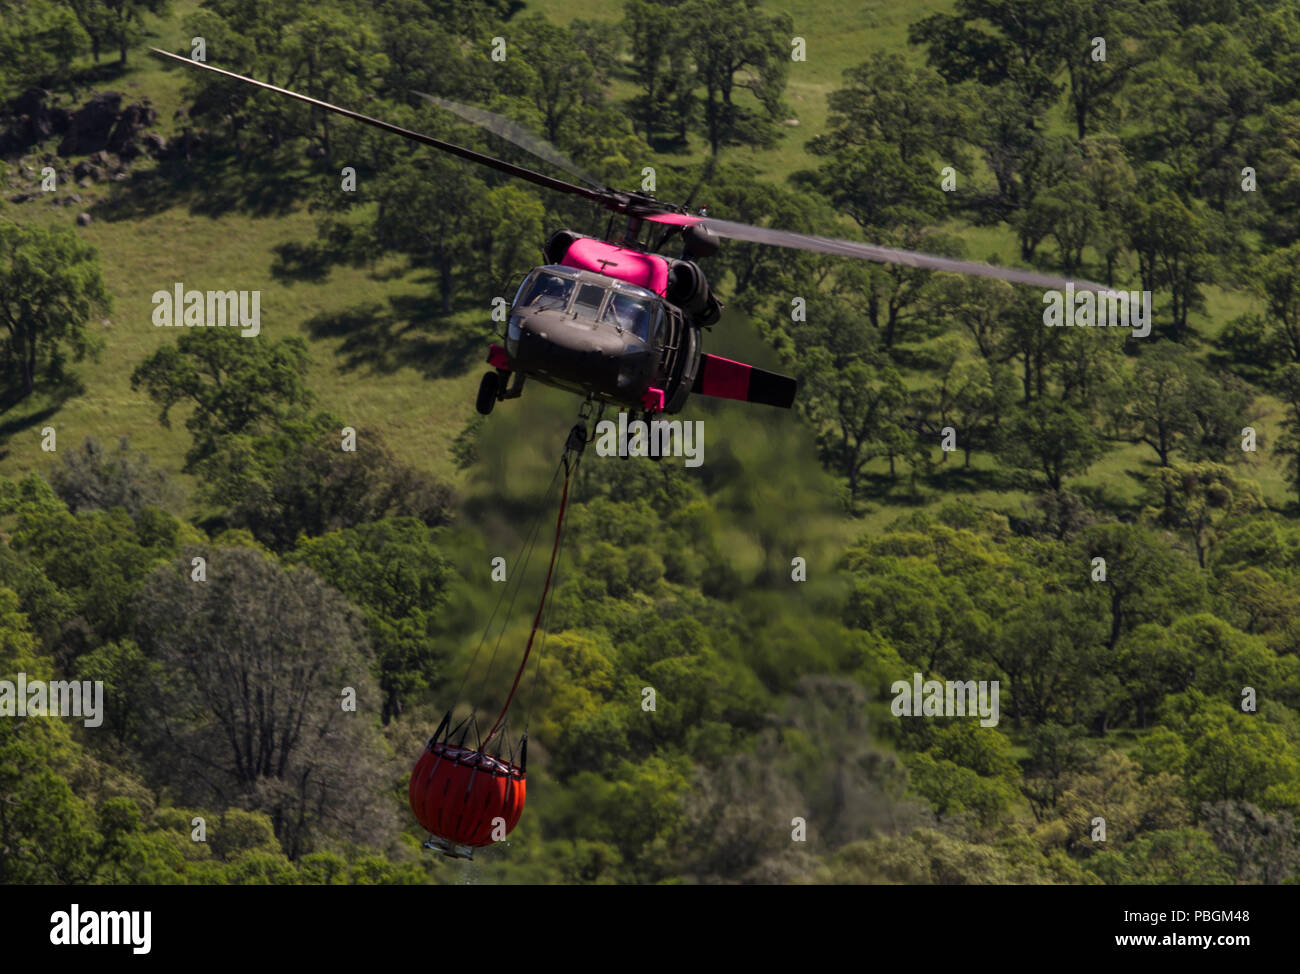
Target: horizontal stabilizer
[(726, 379)]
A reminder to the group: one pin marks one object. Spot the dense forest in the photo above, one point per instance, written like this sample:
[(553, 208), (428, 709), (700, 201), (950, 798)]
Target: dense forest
[(276, 552)]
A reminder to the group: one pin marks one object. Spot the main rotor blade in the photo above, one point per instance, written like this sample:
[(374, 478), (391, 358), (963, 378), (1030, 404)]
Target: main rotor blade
[(512, 131), (491, 161), (884, 255)]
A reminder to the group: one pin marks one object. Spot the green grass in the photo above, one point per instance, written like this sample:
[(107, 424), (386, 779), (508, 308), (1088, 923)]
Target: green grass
[(368, 382)]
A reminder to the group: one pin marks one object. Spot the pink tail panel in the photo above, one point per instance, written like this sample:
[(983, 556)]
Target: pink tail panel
[(728, 379)]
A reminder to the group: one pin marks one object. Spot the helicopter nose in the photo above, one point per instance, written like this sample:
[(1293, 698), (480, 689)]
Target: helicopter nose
[(554, 347), (566, 348)]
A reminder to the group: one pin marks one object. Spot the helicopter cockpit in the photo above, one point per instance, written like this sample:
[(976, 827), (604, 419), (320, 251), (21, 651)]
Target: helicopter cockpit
[(592, 333), (629, 312), (629, 308), (545, 290)]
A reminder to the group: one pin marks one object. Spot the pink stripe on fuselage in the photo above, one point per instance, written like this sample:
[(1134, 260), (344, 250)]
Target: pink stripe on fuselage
[(644, 270)]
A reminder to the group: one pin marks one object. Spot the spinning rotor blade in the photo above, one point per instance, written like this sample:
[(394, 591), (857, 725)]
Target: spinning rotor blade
[(604, 197), (514, 132), (884, 255), (646, 208)]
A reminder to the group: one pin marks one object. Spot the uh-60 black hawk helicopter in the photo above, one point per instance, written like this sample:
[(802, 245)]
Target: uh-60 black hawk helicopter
[(614, 321)]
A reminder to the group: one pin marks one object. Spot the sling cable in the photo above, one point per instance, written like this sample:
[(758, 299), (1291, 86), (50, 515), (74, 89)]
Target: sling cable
[(464, 796)]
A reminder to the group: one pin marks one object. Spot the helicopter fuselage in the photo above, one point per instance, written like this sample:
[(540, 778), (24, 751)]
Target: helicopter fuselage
[(600, 336), (621, 326)]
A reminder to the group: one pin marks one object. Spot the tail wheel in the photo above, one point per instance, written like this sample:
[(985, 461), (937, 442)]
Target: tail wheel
[(488, 390)]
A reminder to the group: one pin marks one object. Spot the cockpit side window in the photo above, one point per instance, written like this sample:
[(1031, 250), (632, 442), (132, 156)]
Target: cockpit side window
[(630, 314), (548, 291)]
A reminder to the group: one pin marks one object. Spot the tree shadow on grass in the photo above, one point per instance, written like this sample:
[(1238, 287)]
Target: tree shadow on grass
[(308, 262), (106, 72), (940, 484), (52, 392), (18, 424), (1099, 498), (210, 184), (882, 488), (383, 339), (954, 477), (53, 388)]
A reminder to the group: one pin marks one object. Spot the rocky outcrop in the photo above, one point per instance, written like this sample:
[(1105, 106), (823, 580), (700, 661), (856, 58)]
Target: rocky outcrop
[(90, 125), (124, 139), (102, 124), (34, 120)]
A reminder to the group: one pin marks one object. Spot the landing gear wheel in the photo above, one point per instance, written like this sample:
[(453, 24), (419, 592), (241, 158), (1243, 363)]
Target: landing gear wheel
[(487, 392)]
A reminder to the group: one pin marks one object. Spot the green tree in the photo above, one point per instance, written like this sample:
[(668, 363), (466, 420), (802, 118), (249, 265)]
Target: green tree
[(1287, 383), (126, 20), (92, 478), (1168, 857), (1199, 104), (1115, 789), (1159, 405), (51, 283), (298, 483), (1146, 579), (857, 408), (901, 301), (1055, 754), (1172, 239), (45, 830), (236, 386), (764, 277), (1235, 756), (1278, 283), (654, 30), (39, 39), (96, 560), (995, 41), (737, 47), (929, 857), (511, 232), (1200, 497), (980, 391), (96, 19), (259, 665), (430, 209), (886, 100), (1133, 34), (393, 570), (1262, 847), (560, 75), (1054, 438)]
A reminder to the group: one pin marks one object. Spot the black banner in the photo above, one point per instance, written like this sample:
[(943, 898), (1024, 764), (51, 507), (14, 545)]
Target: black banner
[(942, 925)]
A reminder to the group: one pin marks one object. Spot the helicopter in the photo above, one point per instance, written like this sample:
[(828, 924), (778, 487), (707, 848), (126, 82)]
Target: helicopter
[(615, 321)]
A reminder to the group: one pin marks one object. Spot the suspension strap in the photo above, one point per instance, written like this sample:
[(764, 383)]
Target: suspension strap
[(572, 454)]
